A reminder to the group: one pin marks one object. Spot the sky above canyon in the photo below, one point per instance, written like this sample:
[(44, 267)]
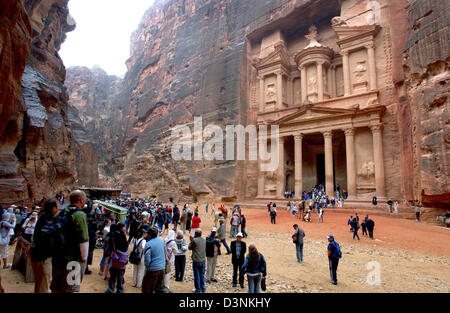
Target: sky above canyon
[(103, 33)]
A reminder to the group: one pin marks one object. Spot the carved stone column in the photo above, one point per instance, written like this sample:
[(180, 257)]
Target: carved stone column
[(290, 91), (372, 67), (280, 177), (298, 165), (262, 99), (303, 83), (320, 81), (351, 163), (279, 90), (346, 69), (261, 174), (329, 175), (379, 160)]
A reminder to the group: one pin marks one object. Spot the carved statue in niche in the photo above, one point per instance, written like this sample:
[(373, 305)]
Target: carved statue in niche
[(312, 37), (312, 84), (325, 82), (271, 181), (367, 170), (271, 93), (360, 71)]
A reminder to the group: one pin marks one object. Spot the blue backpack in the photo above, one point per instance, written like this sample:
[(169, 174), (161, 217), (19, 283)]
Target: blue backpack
[(337, 250)]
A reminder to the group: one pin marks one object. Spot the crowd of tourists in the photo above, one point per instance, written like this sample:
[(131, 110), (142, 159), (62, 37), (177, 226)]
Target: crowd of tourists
[(63, 239)]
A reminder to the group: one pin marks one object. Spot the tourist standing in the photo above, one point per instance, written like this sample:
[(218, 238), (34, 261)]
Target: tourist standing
[(7, 223), (76, 247), (180, 256), (370, 224), (396, 207), (235, 222), (206, 208), (213, 210), (196, 220), (321, 215), (221, 233), (134, 226), (238, 250), (29, 226), (183, 220), (212, 252), (390, 205), (119, 259), (198, 247), (243, 225), (255, 268), (139, 269), (171, 250), (176, 217), (273, 215), (374, 201), (297, 239), (355, 228), (155, 263), (40, 252), (364, 228), (334, 254), (417, 210), (188, 220)]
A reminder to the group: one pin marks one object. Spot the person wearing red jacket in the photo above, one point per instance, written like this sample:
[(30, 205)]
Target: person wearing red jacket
[(196, 220)]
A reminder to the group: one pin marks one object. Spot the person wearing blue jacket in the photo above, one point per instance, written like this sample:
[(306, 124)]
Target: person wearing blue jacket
[(334, 254), (255, 267), (155, 263)]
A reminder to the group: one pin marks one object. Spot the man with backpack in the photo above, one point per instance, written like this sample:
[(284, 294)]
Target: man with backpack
[(334, 254), (76, 246)]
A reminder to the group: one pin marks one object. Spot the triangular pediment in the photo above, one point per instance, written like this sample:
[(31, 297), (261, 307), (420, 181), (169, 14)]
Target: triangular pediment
[(344, 33), (307, 113), (278, 56)]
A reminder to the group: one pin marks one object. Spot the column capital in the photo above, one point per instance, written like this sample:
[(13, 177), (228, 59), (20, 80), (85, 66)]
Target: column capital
[(302, 67), (376, 128), (370, 45), (261, 77), (327, 133), (344, 52), (349, 131), (320, 62), (298, 136), (278, 72)]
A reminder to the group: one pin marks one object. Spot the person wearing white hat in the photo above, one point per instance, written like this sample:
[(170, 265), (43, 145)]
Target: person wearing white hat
[(238, 250), (212, 252)]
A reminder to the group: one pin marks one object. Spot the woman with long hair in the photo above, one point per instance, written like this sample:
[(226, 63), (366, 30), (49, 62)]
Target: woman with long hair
[(255, 268), (40, 253)]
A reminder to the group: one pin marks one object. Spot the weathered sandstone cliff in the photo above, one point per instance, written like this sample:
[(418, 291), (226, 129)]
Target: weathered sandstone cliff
[(41, 142)]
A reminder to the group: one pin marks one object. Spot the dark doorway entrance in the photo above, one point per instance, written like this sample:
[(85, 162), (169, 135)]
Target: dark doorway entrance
[(320, 169)]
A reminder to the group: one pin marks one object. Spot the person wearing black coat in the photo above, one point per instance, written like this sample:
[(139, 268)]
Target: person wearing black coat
[(175, 218), (238, 258), (117, 241), (134, 228), (370, 224)]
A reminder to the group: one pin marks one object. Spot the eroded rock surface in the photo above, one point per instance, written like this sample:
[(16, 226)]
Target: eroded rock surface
[(39, 146)]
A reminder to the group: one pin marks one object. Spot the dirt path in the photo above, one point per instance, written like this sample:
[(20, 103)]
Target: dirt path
[(413, 257)]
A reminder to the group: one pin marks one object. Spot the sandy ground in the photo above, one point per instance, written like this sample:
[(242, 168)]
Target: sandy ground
[(413, 257)]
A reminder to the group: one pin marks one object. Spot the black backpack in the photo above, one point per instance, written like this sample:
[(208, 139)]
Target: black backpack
[(54, 233), (135, 256)]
